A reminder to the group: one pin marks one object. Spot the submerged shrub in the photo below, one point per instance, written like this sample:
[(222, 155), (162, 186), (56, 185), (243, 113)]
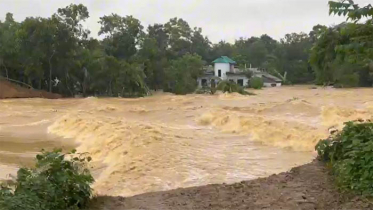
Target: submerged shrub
[(231, 87), (256, 83), (350, 153), (55, 183)]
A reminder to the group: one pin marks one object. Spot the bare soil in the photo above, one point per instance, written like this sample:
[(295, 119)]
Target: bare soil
[(307, 187), (10, 90)]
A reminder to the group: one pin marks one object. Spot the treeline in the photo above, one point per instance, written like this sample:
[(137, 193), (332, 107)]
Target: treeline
[(59, 55), (343, 54)]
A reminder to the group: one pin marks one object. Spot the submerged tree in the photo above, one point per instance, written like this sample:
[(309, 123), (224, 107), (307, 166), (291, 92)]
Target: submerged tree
[(182, 74)]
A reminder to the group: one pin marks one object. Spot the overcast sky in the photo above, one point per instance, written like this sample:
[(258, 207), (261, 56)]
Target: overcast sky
[(219, 19)]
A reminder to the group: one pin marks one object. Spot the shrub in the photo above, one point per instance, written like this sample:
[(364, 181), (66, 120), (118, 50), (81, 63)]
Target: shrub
[(350, 153), (256, 83), (55, 183), (231, 87)]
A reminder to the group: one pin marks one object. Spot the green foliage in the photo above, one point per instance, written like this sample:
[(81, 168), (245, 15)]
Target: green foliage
[(350, 9), (232, 87), (346, 76), (256, 83), (55, 183), (37, 51), (183, 73), (355, 45), (343, 54), (350, 153)]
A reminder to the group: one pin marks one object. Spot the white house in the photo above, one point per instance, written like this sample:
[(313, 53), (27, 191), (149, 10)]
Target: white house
[(224, 69), (268, 79)]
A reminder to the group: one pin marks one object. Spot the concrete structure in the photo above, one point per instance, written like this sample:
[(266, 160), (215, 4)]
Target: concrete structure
[(239, 78), (268, 79), (224, 69)]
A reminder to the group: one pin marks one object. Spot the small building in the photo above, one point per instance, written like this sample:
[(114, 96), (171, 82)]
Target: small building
[(224, 69), (271, 81), (268, 79)]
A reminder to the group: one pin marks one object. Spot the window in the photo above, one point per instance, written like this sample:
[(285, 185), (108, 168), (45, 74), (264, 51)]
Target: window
[(219, 73), (240, 82), (204, 82)]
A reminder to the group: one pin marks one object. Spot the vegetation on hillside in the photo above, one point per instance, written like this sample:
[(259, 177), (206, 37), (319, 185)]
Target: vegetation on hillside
[(350, 154), (56, 182)]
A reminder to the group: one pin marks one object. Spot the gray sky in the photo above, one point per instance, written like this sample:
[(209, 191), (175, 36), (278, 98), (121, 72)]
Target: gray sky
[(219, 19)]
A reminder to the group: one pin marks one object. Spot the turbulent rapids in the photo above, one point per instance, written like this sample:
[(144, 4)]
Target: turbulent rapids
[(166, 142)]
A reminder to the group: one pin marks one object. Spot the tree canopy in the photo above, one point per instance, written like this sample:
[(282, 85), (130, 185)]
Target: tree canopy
[(342, 54)]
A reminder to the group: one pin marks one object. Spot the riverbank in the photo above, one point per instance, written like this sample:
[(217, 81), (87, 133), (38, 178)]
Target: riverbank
[(10, 90), (310, 186)]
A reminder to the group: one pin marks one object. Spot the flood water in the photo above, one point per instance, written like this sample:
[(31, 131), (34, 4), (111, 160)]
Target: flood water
[(165, 142)]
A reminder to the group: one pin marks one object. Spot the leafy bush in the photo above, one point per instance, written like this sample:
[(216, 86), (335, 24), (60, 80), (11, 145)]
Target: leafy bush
[(256, 83), (231, 87), (350, 153), (347, 81), (346, 75), (55, 183)]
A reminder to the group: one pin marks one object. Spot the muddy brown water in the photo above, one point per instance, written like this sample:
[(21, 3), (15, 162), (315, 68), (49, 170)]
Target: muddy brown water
[(166, 142)]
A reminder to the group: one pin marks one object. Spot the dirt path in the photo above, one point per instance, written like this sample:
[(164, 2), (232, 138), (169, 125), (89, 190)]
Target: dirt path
[(306, 187)]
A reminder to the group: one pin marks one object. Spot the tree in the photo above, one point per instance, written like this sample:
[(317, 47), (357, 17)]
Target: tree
[(9, 49), (360, 49), (269, 42), (122, 35), (73, 16), (323, 55), (316, 32), (222, 48), (342, 54), (182, 74), (36, 39), (153, 54), (296, 48), (257, 53), (201, 45), (179, 36)]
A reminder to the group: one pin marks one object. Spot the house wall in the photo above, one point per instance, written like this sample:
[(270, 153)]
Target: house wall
[(237, 77), (207, 78), (224, 67), (266, 84)]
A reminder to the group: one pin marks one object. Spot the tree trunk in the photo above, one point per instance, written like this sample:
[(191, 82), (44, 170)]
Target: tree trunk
[(85, 81), (67, 84), (110, 90), (50, 72), (6, 70)]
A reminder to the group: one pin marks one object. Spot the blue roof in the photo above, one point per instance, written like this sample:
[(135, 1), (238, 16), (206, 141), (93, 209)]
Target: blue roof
[(224, 59)]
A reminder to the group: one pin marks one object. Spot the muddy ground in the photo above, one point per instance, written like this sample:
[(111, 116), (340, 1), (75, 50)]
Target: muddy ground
[(10, 90), (307, 187)]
